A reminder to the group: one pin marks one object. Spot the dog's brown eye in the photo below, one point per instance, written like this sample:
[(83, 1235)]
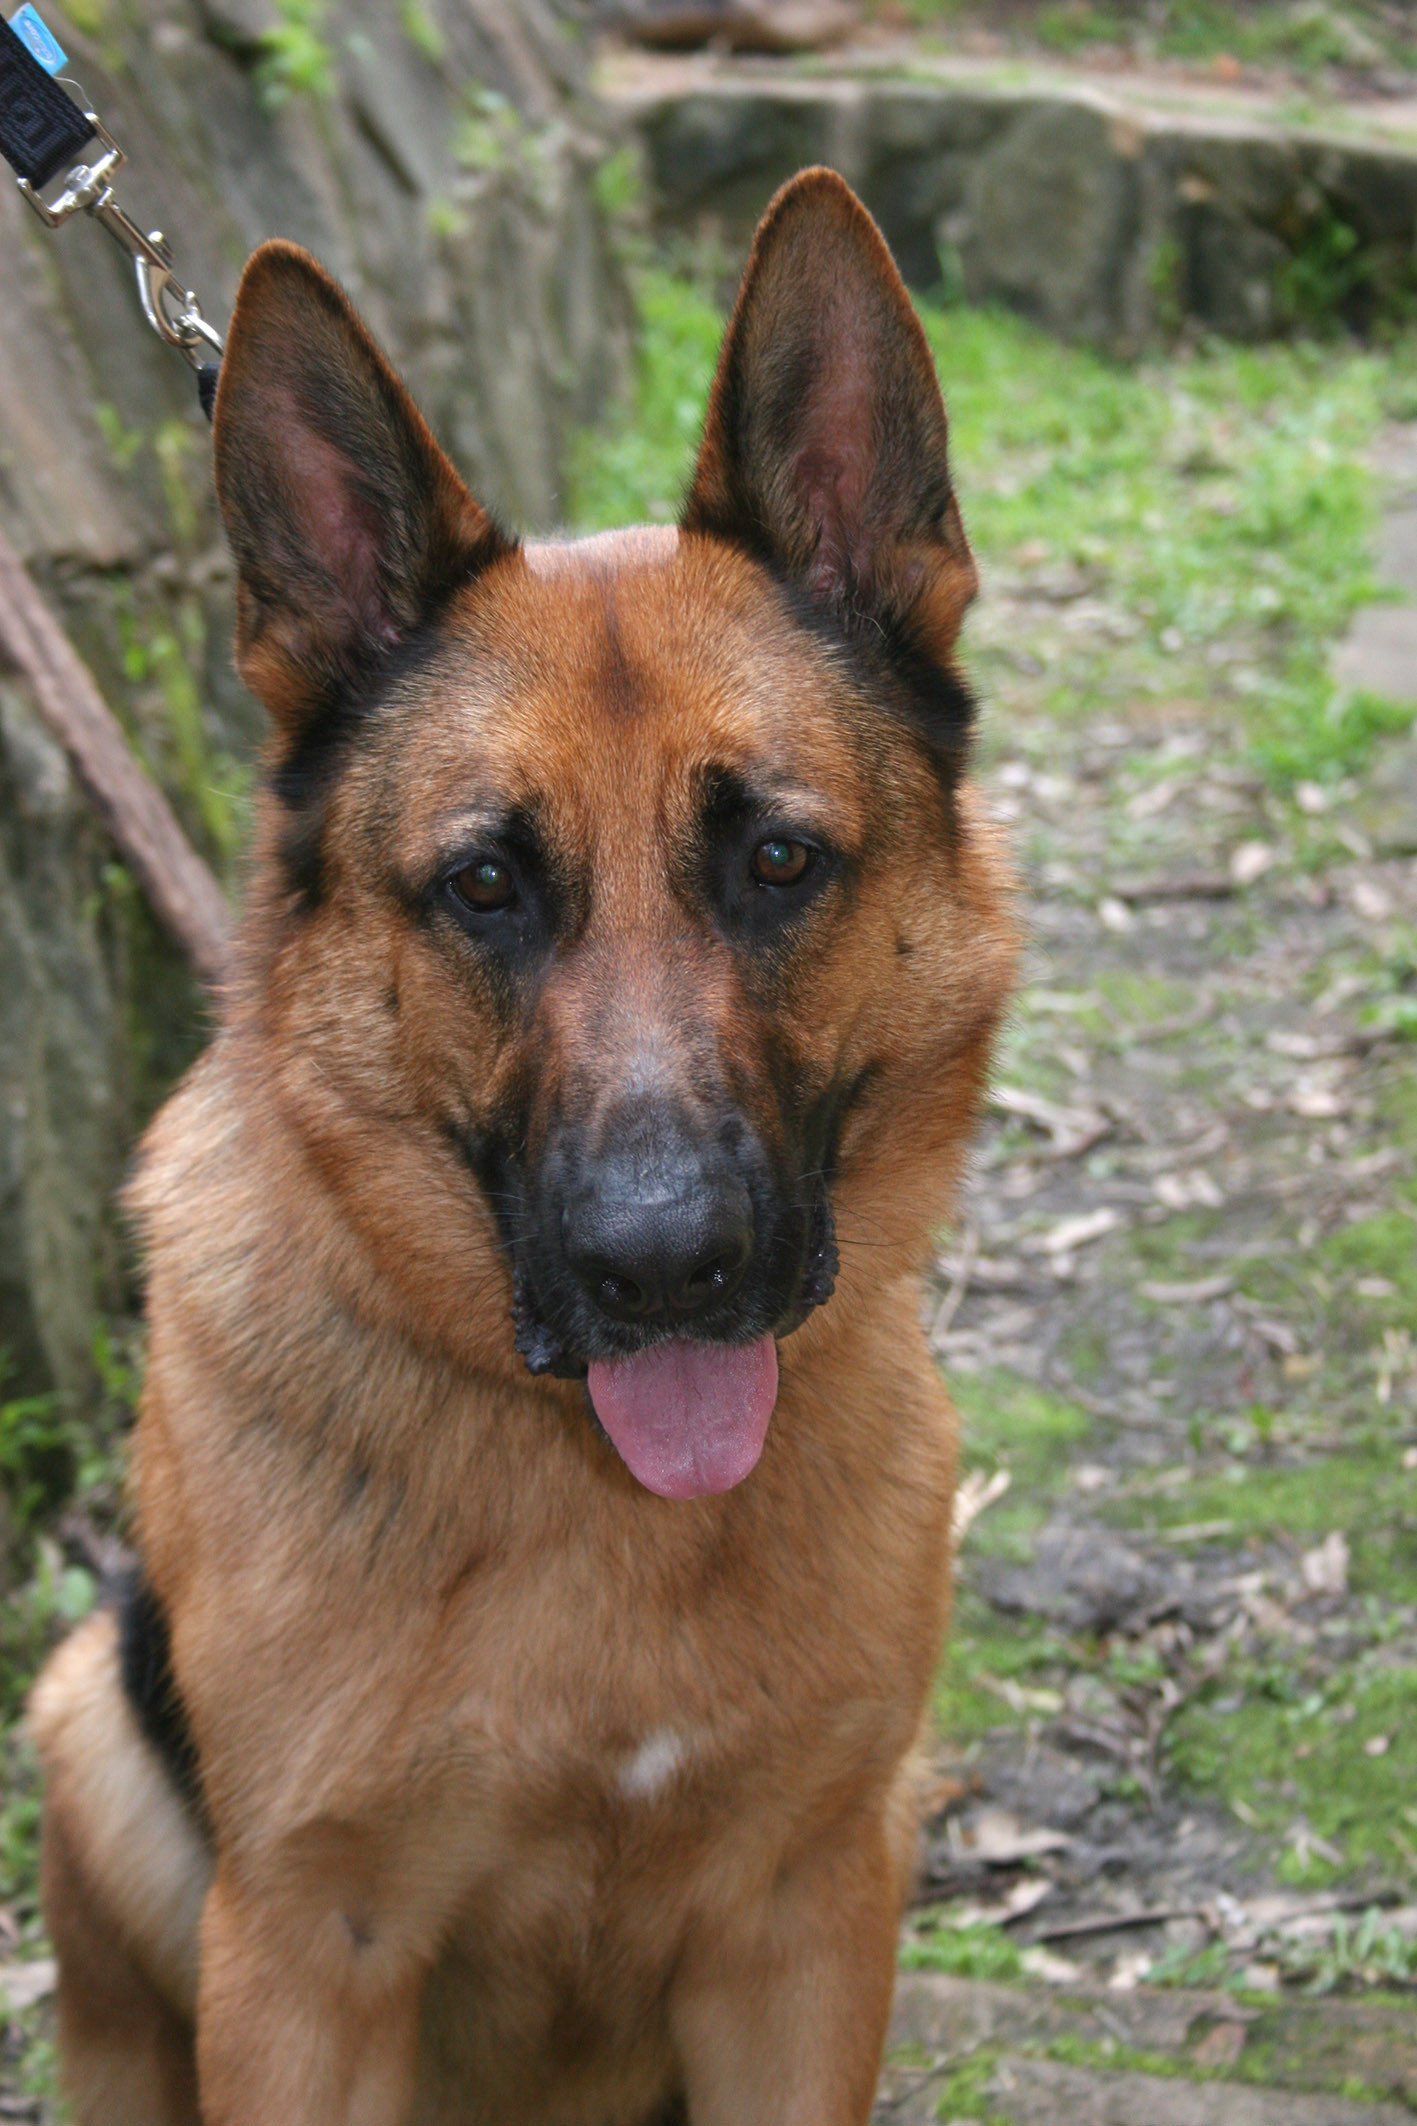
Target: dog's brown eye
[(780, 862), (486, 886)]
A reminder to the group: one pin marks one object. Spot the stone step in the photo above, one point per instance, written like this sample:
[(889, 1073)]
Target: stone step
[(1378, 655), (1305, 2049), (1042, 2092), (1104, 215)]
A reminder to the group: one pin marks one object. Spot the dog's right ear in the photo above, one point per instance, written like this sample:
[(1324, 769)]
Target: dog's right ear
[(348, 525)]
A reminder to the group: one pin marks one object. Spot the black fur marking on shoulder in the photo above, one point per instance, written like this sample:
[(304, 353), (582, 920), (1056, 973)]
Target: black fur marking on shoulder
[(145, 1664)]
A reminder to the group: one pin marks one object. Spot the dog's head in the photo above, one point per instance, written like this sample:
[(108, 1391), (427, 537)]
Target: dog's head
[(626, 939)]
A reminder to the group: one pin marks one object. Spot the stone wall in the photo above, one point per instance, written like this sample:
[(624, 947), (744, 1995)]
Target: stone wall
[(1099, 216), (442, 162)]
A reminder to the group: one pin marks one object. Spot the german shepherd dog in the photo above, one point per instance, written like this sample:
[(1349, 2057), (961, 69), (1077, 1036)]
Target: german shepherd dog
[(542, 1484)]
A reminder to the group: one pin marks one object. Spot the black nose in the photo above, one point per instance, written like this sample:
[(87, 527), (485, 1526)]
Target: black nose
[(652, 1253)]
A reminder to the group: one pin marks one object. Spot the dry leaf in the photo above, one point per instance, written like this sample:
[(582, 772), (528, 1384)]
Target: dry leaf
[(998, 1837), (1129, 1971), (973, 1496), (1091, 1476), (1072, 1129), (23, 1984), (1325, 1568), (1305, 1842), (1316, 1101), (1196, 1531), (986, 1270), (1041, 1963), (1020, 1897), (1076, 1232), (1299, 1047), (1250, 861), (1194, 1294), (1192, 1190), (1371, 901), (1019, 1697), (1152, 802)]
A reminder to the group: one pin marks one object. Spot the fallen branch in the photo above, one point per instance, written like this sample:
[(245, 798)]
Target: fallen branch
[(1073, 1130), (1108, 1922), (180, 889), (1185, 886)]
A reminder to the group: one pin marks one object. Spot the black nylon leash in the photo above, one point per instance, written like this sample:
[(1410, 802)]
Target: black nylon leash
[(42, 129)]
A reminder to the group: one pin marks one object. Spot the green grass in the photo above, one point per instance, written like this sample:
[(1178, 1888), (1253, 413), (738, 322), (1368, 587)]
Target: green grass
[(982, 1654), (1283, 1756), (1302, 40), (991, 1665), (964, 1952), (1013, 1424), (1218, 500), (1366, 1950), (1366, 1493), (296, 57), (1383, 1245), (638, 466), (1279, 1733)]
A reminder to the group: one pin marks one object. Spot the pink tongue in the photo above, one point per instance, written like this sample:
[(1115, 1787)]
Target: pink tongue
[(687, 1418)]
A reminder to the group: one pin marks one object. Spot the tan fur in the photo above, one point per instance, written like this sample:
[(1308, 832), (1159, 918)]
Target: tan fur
[(124, 1876), (142, 1854), (533, 1798)]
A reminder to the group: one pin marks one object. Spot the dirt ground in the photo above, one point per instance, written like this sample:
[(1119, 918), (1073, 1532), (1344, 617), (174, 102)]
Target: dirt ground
[(1181, 1713)]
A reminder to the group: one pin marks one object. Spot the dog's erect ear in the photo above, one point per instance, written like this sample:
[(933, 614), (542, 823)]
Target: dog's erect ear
[(347, 523), (824, 445)]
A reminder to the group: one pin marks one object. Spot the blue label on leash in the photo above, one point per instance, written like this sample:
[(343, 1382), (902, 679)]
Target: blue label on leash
[(39, 39)]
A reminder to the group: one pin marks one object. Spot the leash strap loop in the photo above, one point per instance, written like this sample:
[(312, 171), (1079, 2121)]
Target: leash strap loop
[(41, 127)]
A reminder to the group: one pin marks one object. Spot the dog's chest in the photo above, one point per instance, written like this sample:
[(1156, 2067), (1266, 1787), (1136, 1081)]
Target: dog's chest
[(592, 1820), (607, 1737), (590, 1714)]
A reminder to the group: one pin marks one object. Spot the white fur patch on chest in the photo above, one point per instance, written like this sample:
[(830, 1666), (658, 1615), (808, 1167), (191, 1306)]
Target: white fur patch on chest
[(648, 1772)]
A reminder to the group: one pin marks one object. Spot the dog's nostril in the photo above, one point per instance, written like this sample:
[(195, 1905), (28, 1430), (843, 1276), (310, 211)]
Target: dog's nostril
[(619, 1295), (713, 1279)]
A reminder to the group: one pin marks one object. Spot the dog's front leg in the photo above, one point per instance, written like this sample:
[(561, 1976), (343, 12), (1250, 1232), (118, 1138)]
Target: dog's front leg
[(780, 2012), (304, 2018)]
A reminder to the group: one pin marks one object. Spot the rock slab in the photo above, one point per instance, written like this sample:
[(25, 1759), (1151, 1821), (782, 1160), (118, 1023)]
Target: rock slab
[(1102, 216), (1041, 2092)]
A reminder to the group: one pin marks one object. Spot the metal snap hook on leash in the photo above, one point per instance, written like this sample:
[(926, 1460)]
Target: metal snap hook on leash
[(172, 310), (41, 127)]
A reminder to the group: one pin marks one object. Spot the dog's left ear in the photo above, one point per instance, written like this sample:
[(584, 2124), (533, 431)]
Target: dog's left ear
[(348, 525), (824, 444)]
